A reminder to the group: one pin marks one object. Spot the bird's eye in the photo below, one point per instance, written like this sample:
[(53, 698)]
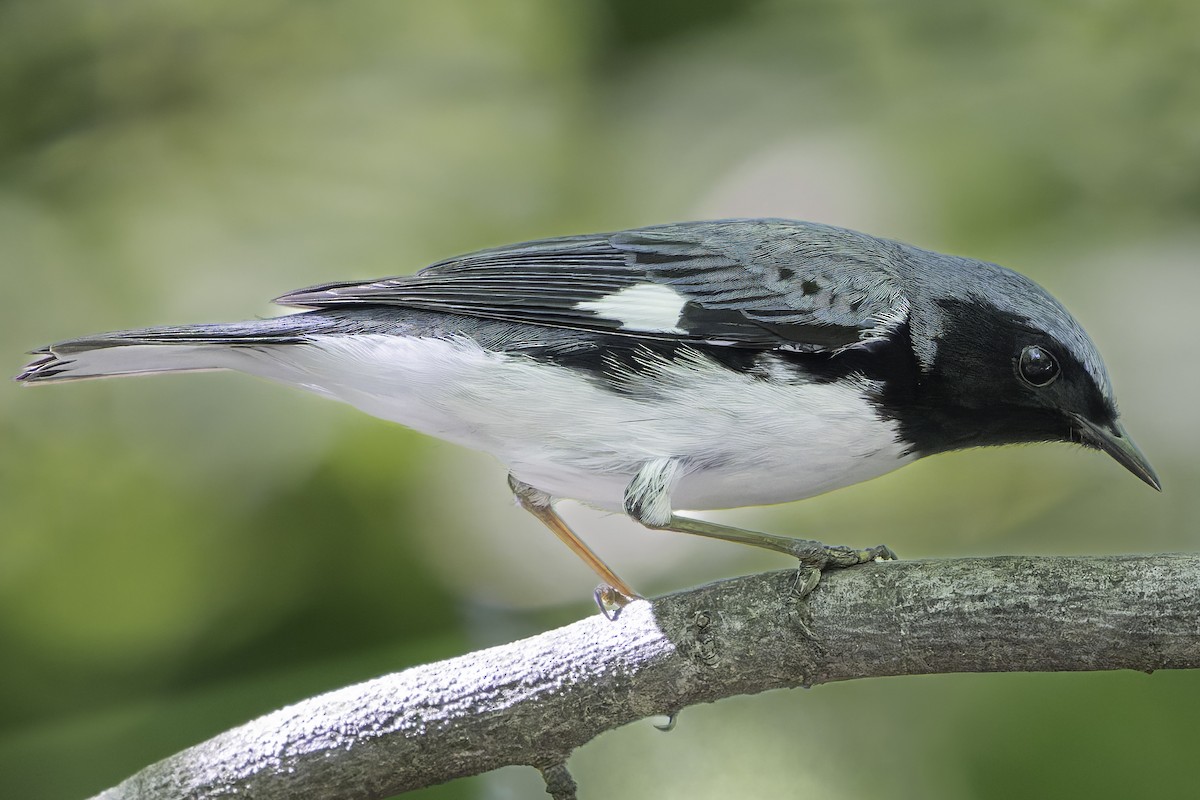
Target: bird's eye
[(1037, 367)]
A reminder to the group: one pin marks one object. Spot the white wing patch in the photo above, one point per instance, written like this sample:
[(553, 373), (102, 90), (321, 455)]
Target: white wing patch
[(649, 307)]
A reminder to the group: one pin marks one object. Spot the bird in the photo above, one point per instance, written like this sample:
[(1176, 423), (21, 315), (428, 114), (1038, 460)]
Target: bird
[(689, 366)]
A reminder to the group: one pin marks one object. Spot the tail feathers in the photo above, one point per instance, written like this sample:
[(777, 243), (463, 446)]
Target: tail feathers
[(112, 361), (137, 352)]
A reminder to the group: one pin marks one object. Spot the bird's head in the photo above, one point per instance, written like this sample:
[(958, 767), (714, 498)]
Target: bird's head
[(1001, 361)]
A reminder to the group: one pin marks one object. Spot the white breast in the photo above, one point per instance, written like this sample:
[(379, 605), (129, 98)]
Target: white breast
[(745, 440)]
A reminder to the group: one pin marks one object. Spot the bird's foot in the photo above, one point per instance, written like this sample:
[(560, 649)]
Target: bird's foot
[(836, 556), (815, 558), (611, 601)]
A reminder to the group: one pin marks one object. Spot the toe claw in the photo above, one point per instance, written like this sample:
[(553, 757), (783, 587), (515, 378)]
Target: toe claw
[(611, 601), (807, 578), (882, 552)]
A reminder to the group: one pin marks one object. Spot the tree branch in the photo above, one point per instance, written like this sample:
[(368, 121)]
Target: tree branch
[(534, 701)]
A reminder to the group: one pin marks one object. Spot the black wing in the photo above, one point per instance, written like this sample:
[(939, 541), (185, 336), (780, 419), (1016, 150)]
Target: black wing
[(749, 283)]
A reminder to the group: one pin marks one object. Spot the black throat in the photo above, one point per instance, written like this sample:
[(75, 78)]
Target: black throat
[(970, 396)]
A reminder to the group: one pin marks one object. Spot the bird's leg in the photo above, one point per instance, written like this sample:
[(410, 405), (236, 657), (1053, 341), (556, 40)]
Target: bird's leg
[(809, 552), (615, 592), (648, 500)]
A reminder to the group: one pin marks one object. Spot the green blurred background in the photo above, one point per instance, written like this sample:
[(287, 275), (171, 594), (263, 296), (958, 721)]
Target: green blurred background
[(181, 554)]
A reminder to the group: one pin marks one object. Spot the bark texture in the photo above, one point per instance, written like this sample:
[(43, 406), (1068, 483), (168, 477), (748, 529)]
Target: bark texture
[(534, 701)]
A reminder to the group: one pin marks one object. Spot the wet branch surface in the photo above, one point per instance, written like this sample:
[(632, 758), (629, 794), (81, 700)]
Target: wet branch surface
[(534, 701)]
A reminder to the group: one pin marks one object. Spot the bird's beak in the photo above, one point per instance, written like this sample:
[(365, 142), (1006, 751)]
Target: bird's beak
[(1116, 442)]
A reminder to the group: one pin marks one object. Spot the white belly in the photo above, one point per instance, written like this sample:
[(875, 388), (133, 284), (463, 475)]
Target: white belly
[(744, 441)]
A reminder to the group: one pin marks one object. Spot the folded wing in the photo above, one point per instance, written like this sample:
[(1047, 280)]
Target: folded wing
[(761, 284)]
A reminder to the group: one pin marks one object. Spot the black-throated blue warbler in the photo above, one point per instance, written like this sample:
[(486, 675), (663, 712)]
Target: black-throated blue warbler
[(694, 366)]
